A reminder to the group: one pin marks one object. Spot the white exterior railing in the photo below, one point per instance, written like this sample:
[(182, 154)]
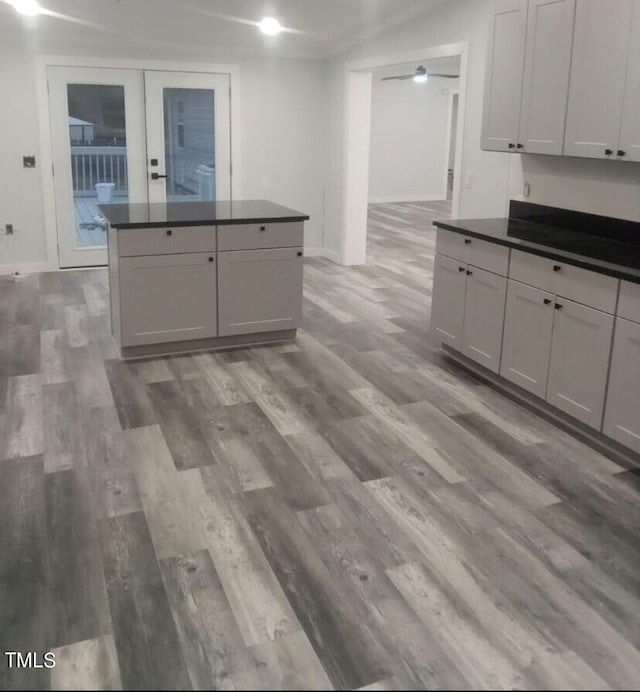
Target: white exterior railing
[(91, 165)]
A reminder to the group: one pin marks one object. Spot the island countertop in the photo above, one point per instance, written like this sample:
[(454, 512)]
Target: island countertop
[(162, 215)]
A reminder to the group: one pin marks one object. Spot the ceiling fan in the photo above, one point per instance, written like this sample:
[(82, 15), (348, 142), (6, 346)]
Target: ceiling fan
[(420, 75)]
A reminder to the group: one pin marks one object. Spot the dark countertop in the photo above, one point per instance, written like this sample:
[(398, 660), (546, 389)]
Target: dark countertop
[(155, 215), (604, 253)]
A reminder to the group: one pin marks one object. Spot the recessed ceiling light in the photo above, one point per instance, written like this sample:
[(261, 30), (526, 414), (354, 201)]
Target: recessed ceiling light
[(30, 8), (270, 26)]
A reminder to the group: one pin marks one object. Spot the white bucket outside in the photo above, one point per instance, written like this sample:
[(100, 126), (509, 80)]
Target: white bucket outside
[(105, 192)]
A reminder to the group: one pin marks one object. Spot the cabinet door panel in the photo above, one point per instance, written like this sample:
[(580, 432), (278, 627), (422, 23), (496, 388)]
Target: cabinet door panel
[(630, 126), (579, 363), (597, 82), (447, 302), (622, 414), (629, 302), (546, 76), (167, 298), (503, 81), (259, 290), (526, 345), (484, 317)]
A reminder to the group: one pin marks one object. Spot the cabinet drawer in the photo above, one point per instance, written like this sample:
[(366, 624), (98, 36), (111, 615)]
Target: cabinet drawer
[(481, 253), (452, 244), (580, 285), (489, 256), (629, 303), (166, 241), (532, 270), (256, 236)]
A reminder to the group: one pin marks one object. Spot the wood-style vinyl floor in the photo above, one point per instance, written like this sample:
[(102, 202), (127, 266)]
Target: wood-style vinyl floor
[(347, 511)]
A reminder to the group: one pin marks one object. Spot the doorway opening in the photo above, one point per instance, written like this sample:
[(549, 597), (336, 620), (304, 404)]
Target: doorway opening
[(412, 150), (415, 166)]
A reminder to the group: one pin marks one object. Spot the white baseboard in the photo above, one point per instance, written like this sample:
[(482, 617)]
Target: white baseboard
[(323, 252), (33, 268), (406, 198), (333, 256)]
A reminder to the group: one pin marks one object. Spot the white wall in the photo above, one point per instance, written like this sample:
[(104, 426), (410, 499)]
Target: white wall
[(281, 139), (409, 147), (20, 188), (609, 188)]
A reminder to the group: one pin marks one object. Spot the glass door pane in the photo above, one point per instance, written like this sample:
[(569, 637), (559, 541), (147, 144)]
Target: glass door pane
[(189, 144), (188, 136), (98, 138), (98, 143)]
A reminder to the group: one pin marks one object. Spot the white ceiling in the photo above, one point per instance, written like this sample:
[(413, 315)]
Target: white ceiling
[(316, 28)]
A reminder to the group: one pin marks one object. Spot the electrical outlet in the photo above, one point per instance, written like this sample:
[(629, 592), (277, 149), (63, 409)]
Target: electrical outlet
[(526, 190), (468, 180)]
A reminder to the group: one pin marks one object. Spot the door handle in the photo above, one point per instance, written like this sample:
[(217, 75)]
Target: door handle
[(467, 241), (155, 176), (621, 152), (547, 301), (469, 273), (520, 146), (511, 145), (557, 306), (460, 269), (169, 232), (299, 253), (556, 267), (608, 152)]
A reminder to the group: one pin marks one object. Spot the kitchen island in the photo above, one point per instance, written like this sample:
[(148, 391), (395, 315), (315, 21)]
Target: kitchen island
[(191, 276)]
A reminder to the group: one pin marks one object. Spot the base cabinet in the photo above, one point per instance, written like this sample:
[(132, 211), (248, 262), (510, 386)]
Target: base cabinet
[(467, 309), (447, 302), (526, 347), (166, 298), (484, 317), (622, 414), (579, 363), (259, 290)]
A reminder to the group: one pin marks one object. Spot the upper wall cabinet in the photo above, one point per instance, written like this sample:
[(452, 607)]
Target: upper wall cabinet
[(528, 76), (503, 82), (604, 92)]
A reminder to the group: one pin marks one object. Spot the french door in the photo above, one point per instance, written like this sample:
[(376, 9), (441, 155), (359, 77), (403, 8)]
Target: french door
[(121, 135)]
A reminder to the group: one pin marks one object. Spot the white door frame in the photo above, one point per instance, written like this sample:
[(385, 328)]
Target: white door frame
[(357, 136), (45, 148), (450, 134)]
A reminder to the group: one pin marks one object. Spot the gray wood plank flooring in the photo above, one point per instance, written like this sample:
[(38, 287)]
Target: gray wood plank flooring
[(349, 511)]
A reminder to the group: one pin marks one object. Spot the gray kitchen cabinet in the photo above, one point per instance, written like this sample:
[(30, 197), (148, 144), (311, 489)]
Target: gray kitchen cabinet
[(600, 60), (622, 413), (447, 301), (527, 77), (629, 141), (526, 346), (467, 304), (259, 290), (579, 363), (165, 298), (503, 78), (483, 317)]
